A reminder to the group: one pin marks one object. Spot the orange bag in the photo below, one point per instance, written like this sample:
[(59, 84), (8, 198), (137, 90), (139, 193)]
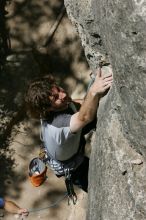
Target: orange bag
[(37, 172)]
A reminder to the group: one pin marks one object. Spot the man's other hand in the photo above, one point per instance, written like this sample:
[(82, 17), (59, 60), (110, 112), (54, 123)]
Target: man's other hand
[(102, 82)]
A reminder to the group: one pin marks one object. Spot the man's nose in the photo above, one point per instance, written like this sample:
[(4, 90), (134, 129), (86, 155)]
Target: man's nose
[(62, 95)]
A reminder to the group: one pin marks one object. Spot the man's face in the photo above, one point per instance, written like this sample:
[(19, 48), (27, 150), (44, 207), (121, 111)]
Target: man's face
[(59, 99)]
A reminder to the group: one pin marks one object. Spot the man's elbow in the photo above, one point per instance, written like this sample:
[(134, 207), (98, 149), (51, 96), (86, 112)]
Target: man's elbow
[(86, 118)]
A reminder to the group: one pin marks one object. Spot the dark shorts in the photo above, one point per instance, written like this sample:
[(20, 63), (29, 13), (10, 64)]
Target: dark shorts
[(80, 175)]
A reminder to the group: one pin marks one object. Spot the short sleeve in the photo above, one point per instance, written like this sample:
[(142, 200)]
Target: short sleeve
[(2, 203), (61, 135), (61, 121)]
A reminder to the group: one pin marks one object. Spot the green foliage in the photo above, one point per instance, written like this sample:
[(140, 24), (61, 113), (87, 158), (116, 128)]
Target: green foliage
[(4, 35)]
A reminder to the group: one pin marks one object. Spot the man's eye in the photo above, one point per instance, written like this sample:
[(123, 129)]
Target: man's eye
[(55, 96)]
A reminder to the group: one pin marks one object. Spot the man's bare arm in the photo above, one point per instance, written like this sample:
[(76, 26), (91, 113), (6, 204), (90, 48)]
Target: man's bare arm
[(14, 208), (89, 107)]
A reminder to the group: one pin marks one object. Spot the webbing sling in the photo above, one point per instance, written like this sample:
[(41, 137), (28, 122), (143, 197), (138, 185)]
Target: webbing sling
[(69, 186)]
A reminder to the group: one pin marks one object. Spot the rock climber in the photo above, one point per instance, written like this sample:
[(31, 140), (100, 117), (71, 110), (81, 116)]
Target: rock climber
[(66, 121)]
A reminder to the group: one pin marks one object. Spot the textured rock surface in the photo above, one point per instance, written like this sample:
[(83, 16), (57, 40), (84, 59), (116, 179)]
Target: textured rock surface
[(115, 32)]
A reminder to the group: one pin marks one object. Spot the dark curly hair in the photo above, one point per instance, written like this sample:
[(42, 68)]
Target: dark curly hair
[(37, 96)]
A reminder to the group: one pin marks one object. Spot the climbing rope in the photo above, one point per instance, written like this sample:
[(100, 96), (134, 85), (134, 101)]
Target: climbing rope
[(55, 26), (50, 206), (41, 209)]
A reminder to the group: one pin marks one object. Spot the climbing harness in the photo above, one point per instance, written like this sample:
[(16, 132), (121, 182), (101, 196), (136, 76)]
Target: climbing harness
[(37, 174), (64, 171)]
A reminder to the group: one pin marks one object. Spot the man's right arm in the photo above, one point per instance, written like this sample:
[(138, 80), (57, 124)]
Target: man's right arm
[(13, 208), (89, 107)]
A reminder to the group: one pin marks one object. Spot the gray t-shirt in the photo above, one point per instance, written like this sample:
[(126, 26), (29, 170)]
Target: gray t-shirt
[(59, 141)]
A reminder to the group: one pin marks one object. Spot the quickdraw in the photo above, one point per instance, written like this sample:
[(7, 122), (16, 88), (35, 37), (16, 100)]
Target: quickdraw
[(69, 186)]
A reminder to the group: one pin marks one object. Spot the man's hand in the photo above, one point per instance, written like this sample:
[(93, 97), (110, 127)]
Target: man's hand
[(102, 82), (88, 110), (15, 209), (23, 212)]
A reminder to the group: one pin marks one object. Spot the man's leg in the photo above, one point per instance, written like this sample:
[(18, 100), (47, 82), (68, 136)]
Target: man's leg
[(80, 176)]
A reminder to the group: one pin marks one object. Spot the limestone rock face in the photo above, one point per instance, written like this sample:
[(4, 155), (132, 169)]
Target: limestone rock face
[(114, 32)]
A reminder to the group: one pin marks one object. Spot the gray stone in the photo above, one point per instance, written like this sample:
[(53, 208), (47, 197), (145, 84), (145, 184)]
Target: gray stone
[(115, 32)]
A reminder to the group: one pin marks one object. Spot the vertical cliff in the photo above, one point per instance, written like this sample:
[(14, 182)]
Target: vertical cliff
[(115, 32)]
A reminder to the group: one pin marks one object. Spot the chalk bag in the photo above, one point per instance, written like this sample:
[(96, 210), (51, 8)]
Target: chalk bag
[(37, 172)]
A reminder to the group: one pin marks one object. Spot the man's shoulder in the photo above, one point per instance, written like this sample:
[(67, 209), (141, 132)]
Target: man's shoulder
[(60, 120)]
